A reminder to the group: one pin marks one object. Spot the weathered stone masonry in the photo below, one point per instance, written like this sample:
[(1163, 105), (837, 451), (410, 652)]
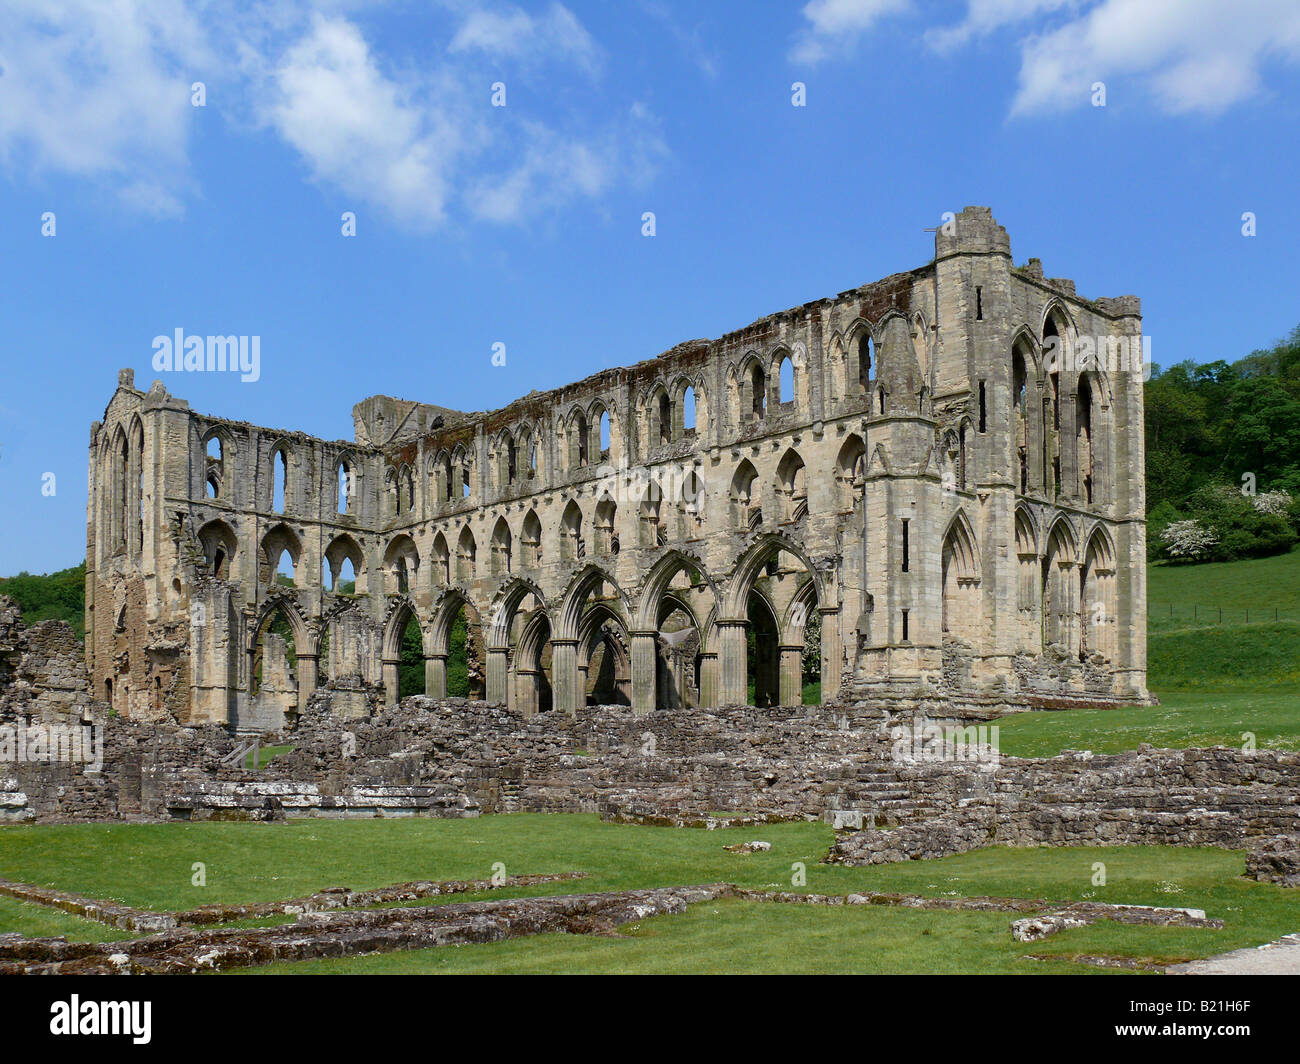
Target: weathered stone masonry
[(909, 460)]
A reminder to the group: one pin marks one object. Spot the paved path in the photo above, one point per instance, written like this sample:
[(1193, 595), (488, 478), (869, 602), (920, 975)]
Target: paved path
[(1276, 958)]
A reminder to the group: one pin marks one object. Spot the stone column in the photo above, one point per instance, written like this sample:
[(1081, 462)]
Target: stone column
[(708, 681), (435, 675), (790, 691), (566, 694), (307, 674), (498, 675), (732, 687), (832, 666), (643, 672), (391, 685), (526, 691)]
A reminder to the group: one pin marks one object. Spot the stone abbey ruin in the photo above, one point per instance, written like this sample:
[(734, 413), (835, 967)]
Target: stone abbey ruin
[(940, 472), (935, 482)]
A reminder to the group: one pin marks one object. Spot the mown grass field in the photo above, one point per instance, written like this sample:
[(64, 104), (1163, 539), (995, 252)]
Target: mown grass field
[(150, 865)]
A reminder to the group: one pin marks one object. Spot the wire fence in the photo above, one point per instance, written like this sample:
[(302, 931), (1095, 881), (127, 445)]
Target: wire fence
[(1195, 614)]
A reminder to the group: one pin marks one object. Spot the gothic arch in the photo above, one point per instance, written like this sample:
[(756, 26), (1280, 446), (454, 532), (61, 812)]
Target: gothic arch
[(747, 567), (505, 603), (502, 547), (279, 539), (450, 603), (401, 611), (220, 549), (345, 548), (960, 577), (401, 565), (657, 582), (850, 471), (303, 638), (574, 599)]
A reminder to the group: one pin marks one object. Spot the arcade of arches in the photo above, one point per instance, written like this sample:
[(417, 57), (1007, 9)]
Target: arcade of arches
[(922, 487)]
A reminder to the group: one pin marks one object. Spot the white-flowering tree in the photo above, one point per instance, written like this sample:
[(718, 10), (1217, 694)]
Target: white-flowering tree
[(1188, 539), (1277, 503)]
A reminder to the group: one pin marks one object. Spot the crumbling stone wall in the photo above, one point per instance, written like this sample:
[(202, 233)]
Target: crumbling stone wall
[(42, 668), (946, 465), (837, 763)]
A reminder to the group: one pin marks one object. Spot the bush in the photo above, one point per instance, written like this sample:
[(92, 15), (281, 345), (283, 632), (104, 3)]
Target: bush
[(1220, 524)]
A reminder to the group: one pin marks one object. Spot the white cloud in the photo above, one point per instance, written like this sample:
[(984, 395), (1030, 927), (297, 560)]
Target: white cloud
[(101, 91), (556, 169), (1188, 55), (1192, 55), (985, 16), (512, 33), (359, 130), (835, 26)]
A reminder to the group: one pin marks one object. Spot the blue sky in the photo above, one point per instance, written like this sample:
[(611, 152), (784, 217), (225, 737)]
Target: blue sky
[(522, 224)]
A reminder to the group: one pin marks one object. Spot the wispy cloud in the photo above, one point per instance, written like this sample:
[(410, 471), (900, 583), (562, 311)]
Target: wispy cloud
[(1185, 55), (836, 26), (1191, 55), (102, 92), (511, 33), (359, 130)]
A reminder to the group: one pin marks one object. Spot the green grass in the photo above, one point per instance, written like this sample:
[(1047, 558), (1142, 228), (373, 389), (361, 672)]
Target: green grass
[(1184, 718), (264, 755), (149, 865), (1195, 593), (38, 921), (735, 936), (731, 937)]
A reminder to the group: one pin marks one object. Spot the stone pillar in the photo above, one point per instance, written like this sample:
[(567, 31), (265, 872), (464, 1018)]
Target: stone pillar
[(708, 681), (644, 668), (498, 675), (1069, 445), (790, 691), (391, 684), (732, 686), (435, 675), (832, 666), (307, 674), (564, 676), (526, 691)]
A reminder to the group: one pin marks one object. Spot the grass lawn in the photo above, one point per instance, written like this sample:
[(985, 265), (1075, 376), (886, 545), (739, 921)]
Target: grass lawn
[(264, 755), (1182, 596), (1184, 718), (150, 865), (732, 937)]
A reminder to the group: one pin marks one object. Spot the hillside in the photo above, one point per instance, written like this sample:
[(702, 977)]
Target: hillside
[(58, 596)]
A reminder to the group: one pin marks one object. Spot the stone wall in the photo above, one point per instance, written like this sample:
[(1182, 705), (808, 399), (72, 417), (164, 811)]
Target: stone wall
[(944, 466), (457, 758), (42, 668)]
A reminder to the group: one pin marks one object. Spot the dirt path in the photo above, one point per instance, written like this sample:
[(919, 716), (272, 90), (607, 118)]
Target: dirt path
[(1276, 958)]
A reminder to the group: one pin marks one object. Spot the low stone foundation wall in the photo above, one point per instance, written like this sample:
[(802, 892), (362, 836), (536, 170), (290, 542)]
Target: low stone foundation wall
[(1218, 797), (836, 763)]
